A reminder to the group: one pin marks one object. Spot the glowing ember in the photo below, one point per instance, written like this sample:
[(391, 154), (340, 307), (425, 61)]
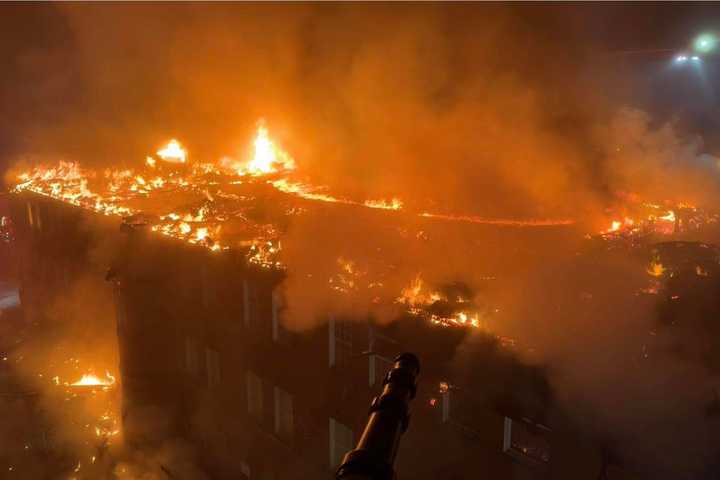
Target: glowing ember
[(201, 234), (173, 152), (265, 255), (656, 269), (420, 301), (394, 204), (669, 217), (306, 191), (617, 225), (460, 319), (499, 221), (664, 218)]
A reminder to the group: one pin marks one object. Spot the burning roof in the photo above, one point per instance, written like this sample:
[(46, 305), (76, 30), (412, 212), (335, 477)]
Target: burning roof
[(247, 205), (212, 204)]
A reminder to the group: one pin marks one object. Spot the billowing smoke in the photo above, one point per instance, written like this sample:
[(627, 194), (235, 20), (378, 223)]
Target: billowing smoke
[(656, 160), (478, 109), (458, 104)]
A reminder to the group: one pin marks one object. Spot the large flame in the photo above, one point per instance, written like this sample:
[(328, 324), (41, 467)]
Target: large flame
[(113, 191), (267, 158), (264, 158), (173, 152)]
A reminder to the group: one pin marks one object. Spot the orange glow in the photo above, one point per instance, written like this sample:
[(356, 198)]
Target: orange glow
[(265, 255), (618, 225), (499, 221), (112, 192), (417, 298), (173, 152), (656, 218), (394, 204), (92, 380), (670, 216), (305, 191), (655, 269), (267, 158)]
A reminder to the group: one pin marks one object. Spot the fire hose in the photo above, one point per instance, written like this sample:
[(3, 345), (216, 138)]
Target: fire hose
[(374, 456)]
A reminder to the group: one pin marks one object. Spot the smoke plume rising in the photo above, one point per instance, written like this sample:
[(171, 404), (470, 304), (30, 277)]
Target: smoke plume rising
[(479, 109)]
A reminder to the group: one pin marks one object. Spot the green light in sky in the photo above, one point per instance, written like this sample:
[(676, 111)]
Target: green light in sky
[(705, 43)]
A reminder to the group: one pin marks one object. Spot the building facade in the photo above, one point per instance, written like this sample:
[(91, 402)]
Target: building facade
[(204, 356)]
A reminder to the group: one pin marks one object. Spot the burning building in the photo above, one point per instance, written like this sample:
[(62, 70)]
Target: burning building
[(459, 192), (208, 355)]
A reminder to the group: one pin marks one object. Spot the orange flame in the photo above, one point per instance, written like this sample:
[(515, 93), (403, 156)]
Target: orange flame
[(92, 380), (267, 158), (173, 152), (656, 269)]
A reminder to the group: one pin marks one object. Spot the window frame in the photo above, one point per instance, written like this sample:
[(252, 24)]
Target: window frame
[(516, 453)]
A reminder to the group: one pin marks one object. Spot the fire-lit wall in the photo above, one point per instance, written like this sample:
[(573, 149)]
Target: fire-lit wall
[(204, 356)]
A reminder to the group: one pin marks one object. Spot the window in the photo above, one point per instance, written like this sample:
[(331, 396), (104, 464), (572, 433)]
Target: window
[(341, 442), (30, 214), (526, 441), (254, 395), (66, 275), (344, 331), (340, 342), (283, 414), (120, 313), (207, 287), (279, 332), (38, 217), (212, 364), (192, 360), (33, 211), (246, 302), (445, 396)]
